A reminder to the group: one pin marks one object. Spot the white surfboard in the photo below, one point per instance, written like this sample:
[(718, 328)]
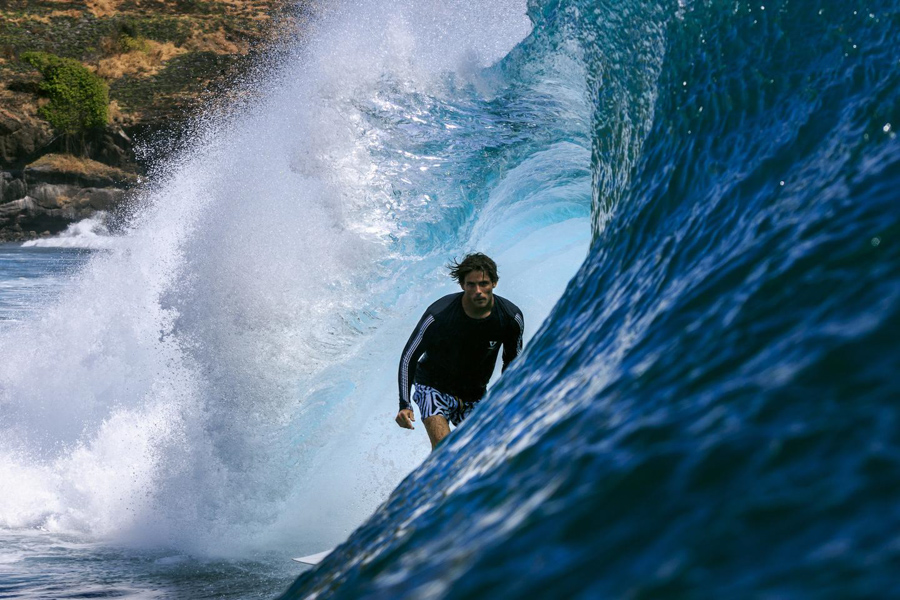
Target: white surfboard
[(313, 559)]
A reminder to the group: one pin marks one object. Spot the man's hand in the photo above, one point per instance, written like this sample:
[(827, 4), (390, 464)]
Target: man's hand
[(405, 418)]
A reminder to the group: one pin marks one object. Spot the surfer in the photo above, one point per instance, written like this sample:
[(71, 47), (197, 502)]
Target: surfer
[(451, 353)]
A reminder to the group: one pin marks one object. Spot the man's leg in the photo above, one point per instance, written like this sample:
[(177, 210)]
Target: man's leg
[(438, 428)]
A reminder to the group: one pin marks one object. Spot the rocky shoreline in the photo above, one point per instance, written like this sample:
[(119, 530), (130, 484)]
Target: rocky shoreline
[(45, 199), (161, 65), (41, 198)]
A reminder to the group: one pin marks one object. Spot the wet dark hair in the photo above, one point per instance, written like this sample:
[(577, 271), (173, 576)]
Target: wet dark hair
[(473, 262)]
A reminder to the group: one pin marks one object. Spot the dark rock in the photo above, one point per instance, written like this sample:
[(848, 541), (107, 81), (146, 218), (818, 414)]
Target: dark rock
[(99, 198), (21, 219), (17, 206), (43, 174), (56, 191), (48, 195), (9, 123), (41, 220), (52, 208), (12, 189), (26, 86), (111, 147), (21, 141)]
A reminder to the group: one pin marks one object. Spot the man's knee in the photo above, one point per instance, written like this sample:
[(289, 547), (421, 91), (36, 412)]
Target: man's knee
[(437, 427)]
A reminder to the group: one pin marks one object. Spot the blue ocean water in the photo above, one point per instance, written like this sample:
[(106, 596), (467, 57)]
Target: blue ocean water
[(692, 203), (28, 276), (711, 407)]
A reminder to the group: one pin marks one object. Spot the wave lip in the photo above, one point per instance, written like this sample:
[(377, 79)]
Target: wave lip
[(711, 406)]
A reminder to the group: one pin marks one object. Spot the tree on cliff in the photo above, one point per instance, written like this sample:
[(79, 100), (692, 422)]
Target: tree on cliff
[(79, 99)]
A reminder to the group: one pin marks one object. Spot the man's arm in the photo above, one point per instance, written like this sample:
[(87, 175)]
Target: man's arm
[(512, 345), (409, 360)]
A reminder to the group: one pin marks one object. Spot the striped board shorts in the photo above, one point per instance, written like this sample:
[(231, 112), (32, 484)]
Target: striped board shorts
[(434, 402)]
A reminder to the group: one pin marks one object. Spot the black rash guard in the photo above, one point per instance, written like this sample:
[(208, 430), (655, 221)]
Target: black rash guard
[(457, 352)]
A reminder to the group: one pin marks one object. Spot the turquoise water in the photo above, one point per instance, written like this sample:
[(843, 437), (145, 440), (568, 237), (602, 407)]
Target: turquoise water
[(711, 408)]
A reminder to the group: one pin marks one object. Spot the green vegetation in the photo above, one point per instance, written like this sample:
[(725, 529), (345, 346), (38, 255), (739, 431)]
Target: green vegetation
[(79, 100), (174, 88), (162, 61), (131, 44), (160, 28)]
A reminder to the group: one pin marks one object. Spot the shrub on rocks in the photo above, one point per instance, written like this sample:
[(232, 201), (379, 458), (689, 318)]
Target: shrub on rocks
[(79, 99)]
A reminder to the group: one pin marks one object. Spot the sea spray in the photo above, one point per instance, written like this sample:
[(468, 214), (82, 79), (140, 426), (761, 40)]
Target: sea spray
[(220, 380)]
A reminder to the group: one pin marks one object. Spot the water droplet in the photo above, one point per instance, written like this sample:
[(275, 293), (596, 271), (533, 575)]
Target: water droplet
[(876, 240), (781, 183), (886, 128)]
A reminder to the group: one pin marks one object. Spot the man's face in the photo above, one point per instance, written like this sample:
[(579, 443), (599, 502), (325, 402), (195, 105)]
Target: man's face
[(479, 289)]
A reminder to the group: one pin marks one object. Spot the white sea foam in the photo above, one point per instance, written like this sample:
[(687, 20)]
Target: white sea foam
[(91, 233), (223, 377)]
